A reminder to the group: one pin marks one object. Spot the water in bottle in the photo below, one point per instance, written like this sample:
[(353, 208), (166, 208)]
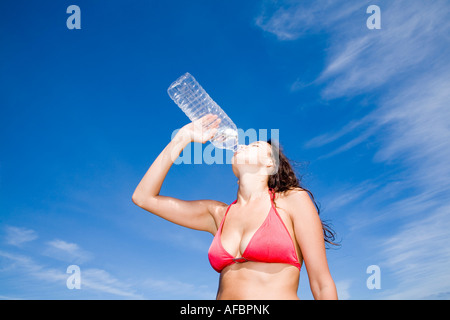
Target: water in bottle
[(187, 93)]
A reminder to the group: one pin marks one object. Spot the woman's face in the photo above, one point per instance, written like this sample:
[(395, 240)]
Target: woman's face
[(256, 155)]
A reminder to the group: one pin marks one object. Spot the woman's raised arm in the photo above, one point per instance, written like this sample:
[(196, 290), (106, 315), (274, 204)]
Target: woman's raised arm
[(194, 214)]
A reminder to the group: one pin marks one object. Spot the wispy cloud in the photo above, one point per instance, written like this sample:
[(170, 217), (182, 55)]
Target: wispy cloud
[(419, 258), (40, 275), (361, 59), (65, 251), (349, 195), (290, 20), (102, 281), (329, 137), (342, 288), (28, 266), (17, 236), (358, 58)]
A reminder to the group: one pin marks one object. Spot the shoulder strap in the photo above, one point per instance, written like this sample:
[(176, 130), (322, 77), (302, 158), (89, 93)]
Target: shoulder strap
[(272, 194), (226, 212)]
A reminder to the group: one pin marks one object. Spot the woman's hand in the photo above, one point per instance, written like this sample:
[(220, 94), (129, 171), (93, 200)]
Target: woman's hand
[(201, 130), (194, 214)]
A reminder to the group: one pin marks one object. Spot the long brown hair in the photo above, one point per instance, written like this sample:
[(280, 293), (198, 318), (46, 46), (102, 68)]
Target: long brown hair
[(285, 179)]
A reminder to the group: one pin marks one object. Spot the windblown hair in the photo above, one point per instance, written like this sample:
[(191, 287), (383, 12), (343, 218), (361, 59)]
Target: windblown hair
[(285, 179)]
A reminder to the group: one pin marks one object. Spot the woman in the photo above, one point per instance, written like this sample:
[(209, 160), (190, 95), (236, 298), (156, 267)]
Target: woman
[(258, 246)]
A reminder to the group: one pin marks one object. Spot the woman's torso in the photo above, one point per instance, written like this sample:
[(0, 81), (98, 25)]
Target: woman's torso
[(258, 281), (250, 279)]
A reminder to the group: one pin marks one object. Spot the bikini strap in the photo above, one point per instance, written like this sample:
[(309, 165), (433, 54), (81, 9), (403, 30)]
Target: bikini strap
[(272, 194), (229, 206), (224, 216)]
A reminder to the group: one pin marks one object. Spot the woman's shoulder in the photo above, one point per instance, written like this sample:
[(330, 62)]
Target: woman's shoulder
[(291, 194), (291, 200), (217, 209)]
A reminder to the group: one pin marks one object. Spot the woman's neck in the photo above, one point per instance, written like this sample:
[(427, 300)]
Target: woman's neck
[(251, 187)]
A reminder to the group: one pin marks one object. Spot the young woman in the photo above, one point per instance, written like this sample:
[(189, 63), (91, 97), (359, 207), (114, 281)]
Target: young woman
[(259, 246)]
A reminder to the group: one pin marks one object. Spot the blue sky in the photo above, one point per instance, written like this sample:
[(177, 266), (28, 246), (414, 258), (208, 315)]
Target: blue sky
[(83, 113)]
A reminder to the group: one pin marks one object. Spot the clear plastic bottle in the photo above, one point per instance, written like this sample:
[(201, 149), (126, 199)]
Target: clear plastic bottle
[(187, 93)]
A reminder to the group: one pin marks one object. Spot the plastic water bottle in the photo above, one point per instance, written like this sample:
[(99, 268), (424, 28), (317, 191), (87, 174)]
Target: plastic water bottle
[(187, 93)]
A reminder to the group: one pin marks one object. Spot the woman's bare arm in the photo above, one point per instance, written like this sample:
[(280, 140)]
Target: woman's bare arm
[(309, 235), (195, 214)]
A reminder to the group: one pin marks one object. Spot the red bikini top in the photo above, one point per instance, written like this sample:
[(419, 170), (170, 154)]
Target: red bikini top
[(270, 243)]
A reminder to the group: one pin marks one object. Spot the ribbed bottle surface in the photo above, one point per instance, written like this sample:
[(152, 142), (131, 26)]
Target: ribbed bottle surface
[(195, 102)]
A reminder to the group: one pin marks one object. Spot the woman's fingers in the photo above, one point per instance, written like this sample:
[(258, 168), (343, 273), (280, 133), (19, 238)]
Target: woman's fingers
[(209, 117), (205, 128), (216, 123), (210, 121)]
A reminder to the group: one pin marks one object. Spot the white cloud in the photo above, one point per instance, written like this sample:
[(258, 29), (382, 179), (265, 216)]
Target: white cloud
[(329, 137), (358, 58), (35, 276), (342, 288), (100, 280), (65, 251), (348, 195), (26, 266), (419, 258), (92, 279), (17, 236), (290, 20)]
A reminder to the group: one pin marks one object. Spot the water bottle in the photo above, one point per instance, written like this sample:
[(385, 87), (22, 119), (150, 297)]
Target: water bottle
[(187, 93)]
